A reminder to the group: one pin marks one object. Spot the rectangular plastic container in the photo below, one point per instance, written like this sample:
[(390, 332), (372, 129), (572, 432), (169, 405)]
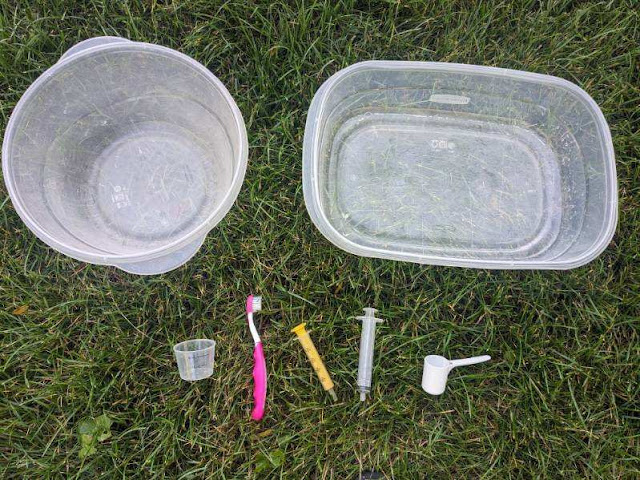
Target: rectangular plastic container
[(460, 165)]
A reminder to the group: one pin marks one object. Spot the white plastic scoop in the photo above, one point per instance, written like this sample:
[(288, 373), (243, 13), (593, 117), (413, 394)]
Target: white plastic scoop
[(437, 368)]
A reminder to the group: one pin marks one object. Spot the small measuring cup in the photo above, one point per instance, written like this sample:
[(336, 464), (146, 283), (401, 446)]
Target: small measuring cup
[(195, 358)]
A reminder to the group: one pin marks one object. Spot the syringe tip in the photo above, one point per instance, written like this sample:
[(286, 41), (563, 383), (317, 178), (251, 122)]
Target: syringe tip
[(363, 396), (332, 392)]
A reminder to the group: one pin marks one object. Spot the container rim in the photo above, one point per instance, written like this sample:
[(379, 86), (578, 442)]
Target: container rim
[(115, 259), (310, 168), (211, 344)]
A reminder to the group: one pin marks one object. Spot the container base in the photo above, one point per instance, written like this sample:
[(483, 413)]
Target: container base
[(425, 184), (164, 264)]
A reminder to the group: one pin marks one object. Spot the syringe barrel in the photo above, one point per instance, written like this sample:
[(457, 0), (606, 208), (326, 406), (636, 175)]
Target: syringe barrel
[(316, 362), (367, 341), (313, 356)]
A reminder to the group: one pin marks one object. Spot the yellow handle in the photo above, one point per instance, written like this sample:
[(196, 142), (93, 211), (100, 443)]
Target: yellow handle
[(314, 357)]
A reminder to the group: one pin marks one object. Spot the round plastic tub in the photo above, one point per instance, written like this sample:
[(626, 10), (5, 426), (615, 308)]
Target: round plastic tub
[(125, 154), (460, 165)]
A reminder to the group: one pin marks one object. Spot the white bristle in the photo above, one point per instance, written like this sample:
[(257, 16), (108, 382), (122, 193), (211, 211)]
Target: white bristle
[(257, 304)]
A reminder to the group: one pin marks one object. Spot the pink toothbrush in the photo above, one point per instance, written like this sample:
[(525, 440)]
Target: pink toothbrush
[(254, 304)]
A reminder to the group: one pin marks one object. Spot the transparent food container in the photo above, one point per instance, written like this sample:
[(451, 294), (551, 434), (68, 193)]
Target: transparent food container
[(125, 153), (460, 165)]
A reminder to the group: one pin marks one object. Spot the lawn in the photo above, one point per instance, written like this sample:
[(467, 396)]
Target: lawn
[(558, 400)]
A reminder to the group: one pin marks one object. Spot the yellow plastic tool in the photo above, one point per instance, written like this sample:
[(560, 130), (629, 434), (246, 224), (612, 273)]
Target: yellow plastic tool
[(314, 358)]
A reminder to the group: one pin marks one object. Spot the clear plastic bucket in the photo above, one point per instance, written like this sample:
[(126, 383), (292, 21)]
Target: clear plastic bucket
[(460, 165), (126, 154)]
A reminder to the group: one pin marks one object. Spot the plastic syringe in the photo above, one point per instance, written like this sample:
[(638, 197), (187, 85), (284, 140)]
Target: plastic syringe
[(314, 358), (367, 340)]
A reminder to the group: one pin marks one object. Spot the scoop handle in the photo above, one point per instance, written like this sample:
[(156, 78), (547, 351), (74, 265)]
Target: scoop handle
[(259, 382), (469, 361)]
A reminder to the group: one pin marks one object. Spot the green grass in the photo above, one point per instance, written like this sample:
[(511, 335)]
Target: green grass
[(560, 397)]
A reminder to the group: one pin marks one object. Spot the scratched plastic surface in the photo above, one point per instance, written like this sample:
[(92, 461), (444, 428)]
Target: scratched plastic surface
[(126, 154), (459, 165)]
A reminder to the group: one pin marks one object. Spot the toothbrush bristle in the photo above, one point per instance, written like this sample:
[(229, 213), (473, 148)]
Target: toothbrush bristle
[(257, 303)]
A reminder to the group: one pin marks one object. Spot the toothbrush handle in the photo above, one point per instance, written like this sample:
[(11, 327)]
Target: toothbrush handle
[(259, 382)]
